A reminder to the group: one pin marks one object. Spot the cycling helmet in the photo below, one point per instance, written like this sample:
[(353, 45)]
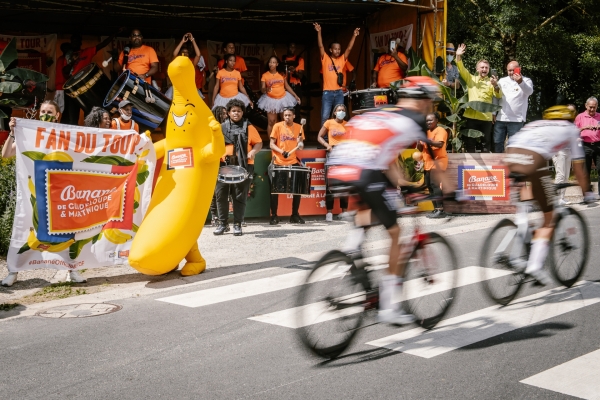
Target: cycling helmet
[(559, 112), (420, 87)]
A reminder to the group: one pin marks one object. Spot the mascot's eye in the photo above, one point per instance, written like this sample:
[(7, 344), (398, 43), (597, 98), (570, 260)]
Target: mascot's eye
[(190, 104)]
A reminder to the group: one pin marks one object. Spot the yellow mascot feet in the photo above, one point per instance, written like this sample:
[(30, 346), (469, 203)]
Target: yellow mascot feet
[(196, 264)]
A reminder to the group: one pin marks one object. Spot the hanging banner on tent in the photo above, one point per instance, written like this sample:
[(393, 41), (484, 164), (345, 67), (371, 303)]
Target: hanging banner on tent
[(81, 195), (36, 53), (259, 51)]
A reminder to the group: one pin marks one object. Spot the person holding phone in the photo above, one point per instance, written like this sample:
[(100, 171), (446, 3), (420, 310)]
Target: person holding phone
[(516, 90), (390, 67)]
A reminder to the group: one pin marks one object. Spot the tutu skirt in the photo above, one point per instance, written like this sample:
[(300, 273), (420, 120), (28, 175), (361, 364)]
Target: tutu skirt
[(222, 101), (271, 105)]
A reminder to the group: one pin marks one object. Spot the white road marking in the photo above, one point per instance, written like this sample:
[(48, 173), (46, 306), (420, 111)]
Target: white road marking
[(486, 323), (578, 377), (316, 312)]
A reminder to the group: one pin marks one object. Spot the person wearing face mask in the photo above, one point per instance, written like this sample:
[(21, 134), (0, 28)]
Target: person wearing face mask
[(451, 79), (335, 132), (332, 64), (49, 112), (480, 87), (98, 118), (124, 121)]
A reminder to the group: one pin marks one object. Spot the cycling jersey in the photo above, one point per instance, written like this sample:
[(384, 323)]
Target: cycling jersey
[(548, 137), (375, 139)]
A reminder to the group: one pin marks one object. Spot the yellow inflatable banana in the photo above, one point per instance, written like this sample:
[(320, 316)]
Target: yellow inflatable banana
[(184, 189)]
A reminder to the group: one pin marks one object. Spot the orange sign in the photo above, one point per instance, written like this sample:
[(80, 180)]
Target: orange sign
[(380, 100), (485, 182), (78, 201), (180, 158)]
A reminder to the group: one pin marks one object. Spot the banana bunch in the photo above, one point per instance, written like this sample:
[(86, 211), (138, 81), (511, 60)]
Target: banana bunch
[(35, 244), (116, 236)]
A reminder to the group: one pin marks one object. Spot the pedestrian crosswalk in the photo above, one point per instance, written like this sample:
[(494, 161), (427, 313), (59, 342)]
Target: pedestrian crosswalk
[(577, 377)]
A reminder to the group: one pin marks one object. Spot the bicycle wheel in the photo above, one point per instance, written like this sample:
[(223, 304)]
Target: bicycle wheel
[(430, 280), (330, 305), (501, 282), (569, 247)]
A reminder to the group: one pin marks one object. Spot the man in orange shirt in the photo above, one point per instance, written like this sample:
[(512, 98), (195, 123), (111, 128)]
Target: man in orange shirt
[(242, 143), (141, 60), (390, 68), (286, 138), (438, 137), (124, 122), (332, 64)]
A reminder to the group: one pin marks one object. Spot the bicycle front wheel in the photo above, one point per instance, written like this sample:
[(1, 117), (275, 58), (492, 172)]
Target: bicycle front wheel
[(330, 305), (569, 247), (501, 282), (430, 280)]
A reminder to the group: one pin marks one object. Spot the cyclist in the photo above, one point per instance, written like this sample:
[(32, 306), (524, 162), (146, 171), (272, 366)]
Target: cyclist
[(528, 152), (367, 162)]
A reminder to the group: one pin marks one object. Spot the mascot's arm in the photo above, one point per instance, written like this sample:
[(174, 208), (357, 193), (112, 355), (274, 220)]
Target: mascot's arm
[(214, 150), (159, 149)]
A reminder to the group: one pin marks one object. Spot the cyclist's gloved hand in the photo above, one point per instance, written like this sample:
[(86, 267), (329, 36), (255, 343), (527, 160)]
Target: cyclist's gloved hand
[(590, 197)]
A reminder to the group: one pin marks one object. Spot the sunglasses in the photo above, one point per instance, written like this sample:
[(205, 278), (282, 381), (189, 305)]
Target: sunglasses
[(136, 35)]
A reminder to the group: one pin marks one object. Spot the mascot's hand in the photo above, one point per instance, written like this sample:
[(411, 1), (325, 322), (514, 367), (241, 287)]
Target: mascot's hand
[(213, 124)]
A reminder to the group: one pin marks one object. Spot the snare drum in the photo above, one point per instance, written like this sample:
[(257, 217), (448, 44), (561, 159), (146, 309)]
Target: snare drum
[(88, 87), (291, 179), (232, 174), (370, 98), (133, 88)]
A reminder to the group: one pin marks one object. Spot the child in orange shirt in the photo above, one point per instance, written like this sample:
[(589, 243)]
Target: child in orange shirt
[(229, 85), (277, 93)]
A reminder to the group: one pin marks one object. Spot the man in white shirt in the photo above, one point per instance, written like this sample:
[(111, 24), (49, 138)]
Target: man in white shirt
[(516, 90)]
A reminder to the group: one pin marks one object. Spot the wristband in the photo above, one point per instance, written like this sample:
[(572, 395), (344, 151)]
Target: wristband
[(11, 136)]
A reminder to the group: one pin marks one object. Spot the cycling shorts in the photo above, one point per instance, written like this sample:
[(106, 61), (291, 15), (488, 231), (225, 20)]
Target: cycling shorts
[(373, 187), (535, 168)]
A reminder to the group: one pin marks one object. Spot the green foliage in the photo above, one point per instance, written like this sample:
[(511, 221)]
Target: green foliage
[(8, 197), (408, 166)]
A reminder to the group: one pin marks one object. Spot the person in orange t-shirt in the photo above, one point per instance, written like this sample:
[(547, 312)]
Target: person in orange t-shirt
[(332, 64), (389, 68), (242, 143), (286, 138), (229, 85), (124, 121), (335, 130), (142, 59), (277, 94), (240, 63), (439, 138), (295, 67)]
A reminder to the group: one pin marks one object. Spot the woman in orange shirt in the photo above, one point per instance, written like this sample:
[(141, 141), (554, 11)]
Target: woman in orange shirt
[(336, 132), (229, 85), (277, 94)]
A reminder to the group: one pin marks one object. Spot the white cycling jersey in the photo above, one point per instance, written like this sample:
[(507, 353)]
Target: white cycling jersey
[(375, 139), (548, 137)]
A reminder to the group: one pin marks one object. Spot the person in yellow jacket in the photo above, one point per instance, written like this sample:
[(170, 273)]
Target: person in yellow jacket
[(480, 87)]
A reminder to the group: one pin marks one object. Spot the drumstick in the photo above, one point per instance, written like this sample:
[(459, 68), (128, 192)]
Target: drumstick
[(105, 63)]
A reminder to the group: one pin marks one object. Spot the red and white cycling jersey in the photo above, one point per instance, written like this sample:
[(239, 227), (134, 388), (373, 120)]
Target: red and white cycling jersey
[(548, 137), (375, 139)]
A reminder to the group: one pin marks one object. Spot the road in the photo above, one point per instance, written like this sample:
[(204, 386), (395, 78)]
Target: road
[(227, 339)]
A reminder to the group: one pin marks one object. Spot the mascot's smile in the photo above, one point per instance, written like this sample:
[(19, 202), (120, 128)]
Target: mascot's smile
[(179, 120)]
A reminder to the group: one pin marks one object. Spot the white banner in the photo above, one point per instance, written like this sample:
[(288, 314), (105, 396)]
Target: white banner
[(81, 195), (45, 45)]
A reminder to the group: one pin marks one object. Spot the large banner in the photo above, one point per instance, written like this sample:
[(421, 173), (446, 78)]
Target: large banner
[(484, 182), (380, 41), (81, 195), (36, 53)]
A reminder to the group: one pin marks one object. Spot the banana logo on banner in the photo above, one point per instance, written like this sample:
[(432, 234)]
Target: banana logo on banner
[(186, 183), (81, 195)]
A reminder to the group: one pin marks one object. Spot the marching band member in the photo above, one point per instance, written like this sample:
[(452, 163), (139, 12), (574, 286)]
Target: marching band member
[(335, 131), (124, 122), (141, 60), (286, 138), (277, 93), (229, 85)]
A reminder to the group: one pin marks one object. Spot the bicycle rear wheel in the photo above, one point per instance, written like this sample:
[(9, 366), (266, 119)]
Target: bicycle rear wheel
[(430, 280), (569, 247), (501, 282), (330, 305)]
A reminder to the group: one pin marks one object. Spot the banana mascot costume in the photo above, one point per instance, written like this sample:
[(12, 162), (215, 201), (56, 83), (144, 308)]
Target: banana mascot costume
[(186, 183)]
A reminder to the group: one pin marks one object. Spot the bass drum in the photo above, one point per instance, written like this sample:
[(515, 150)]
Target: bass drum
[(290, 179), (148, 111), (371, 98), (88, 87)]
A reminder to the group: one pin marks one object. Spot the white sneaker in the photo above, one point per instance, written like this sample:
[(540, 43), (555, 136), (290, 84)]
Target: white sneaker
[(75, 277), (541, 276), (10, 279), (329, 217), (395, 317), (344, 216)]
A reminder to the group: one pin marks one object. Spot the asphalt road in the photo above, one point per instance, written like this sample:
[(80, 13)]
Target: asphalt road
[(198, 342)]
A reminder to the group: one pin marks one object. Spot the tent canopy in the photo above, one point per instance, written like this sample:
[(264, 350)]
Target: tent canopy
[(263, 19)]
